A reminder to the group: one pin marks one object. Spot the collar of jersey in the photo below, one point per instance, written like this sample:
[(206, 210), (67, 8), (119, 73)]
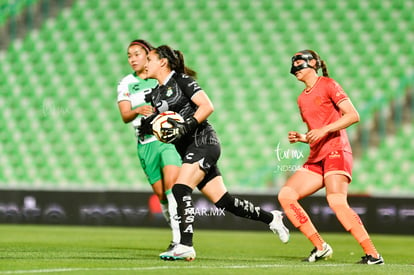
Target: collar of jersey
[(168, 77)]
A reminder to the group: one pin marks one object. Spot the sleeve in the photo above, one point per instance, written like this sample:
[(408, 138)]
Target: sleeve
[(188, 85), (148, 95), (336, 93), (123, 92)]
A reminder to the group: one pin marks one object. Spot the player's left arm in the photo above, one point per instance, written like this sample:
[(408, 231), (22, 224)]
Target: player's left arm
[(180, 129), (349, 116), (204, 106)]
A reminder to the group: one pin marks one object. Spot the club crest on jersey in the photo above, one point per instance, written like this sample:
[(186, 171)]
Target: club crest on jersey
[(169, 92)]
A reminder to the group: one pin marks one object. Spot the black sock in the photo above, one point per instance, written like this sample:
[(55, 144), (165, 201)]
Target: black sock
[(243, 208), (185, 211)]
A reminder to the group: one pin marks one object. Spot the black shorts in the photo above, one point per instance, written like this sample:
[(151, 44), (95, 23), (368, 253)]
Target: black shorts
[(202, 147)]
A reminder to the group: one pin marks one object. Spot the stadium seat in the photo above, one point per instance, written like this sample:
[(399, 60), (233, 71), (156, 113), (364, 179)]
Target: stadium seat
[(65, 74)]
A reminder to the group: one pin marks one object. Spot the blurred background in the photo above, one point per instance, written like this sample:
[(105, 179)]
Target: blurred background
[(61, 60)]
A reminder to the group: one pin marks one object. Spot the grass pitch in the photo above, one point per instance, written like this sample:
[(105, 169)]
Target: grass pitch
[(114, 250)]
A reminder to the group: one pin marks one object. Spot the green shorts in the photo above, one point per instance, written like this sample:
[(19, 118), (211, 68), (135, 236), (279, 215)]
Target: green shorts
[(154, 156)]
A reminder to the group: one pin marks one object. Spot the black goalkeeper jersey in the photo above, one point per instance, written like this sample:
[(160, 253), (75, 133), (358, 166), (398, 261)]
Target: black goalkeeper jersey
[(203, 145), (175, 95)]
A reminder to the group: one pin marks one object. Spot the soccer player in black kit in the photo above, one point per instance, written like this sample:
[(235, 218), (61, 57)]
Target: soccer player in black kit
[(197, 143)]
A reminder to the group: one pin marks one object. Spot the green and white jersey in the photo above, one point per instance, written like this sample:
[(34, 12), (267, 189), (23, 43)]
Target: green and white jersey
[(132, 88)]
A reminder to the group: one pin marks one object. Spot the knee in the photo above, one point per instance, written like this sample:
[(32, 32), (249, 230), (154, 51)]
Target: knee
[(287, 194), (160, 195), (181, 190), (169, 177), (158, 190), (225, 202), (337, 200)]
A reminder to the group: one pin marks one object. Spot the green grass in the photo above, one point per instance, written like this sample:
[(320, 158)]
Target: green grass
[(114, 250)]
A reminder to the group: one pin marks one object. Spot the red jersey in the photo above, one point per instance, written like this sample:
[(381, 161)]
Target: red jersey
[(319, 107)]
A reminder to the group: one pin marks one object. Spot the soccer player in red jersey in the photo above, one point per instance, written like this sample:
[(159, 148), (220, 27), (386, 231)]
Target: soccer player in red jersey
[(327, 111)]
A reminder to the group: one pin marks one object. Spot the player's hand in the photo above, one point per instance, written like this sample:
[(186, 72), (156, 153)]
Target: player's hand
[(296, 137), (315, 134), (145, 110), (178, 129), (145, 128)]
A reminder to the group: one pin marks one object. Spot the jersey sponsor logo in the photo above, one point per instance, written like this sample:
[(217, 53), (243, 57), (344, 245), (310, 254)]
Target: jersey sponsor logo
[(203, 164), (334, 155), (135, 87), (189, 156)]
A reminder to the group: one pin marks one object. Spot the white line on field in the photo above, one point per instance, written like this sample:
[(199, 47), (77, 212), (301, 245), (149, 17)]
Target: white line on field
[(146, 268), (62, 270)]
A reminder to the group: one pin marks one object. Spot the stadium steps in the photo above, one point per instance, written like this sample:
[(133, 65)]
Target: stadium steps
[(241, 49)]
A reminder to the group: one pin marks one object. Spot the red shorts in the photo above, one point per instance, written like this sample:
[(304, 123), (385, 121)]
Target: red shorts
[(336, 163)]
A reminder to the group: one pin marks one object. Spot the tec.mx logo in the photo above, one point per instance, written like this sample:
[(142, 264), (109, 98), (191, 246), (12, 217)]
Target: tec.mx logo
[(286, 159)]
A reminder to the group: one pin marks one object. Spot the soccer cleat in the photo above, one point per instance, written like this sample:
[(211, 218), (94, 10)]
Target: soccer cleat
[(278, 227), (368, 259), (179, 252), (171, 245), (317, 255)]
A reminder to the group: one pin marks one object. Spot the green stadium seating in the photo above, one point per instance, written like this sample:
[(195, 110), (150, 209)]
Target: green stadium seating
[(64, 76)]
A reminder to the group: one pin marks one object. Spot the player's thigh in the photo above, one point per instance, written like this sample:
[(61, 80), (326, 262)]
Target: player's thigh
[(190, 174), (170, 174), (214, 189), (338, 172), (150, 161), (336, 183), (170, 164), (305, 182)]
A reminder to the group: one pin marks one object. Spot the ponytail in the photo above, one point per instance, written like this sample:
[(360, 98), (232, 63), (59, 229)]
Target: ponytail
[(324, 69), (320, 64), (175, 60), (182, 68)]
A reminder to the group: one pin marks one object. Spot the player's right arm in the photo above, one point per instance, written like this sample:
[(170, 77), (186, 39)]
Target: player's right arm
[(294, 137), (128, 114)]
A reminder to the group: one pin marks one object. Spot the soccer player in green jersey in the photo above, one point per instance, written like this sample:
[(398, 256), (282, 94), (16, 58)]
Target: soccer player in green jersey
[(160, 161)]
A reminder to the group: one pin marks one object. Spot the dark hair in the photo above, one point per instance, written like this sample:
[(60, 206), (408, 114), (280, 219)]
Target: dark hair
[(320, 64), (143, 43), (175, 60)]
